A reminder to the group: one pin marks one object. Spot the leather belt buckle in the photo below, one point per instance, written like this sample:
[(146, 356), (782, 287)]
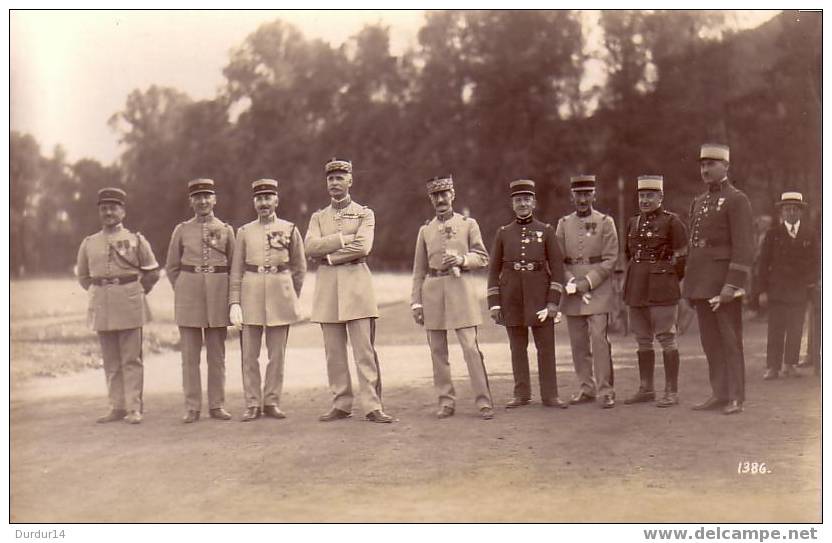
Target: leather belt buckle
[(204, 269), (261, 269), (530, 266), (518, 266), (108, 281), (700, 243)]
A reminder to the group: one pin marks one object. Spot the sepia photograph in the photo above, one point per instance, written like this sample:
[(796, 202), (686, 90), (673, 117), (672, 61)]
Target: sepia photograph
[(553, 272)]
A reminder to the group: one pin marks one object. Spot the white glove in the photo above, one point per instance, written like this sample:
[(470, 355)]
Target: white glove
[(558, 317), (571, 288), (586, 297), (235, 314), (542, 314)]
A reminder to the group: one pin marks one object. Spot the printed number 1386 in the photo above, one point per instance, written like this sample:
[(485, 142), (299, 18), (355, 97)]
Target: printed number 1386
[(753, 468)]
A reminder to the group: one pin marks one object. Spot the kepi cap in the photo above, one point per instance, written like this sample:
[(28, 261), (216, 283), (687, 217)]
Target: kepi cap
[(521, 186), (264, 186), (112, 194), (338, 165), (582, 182), (714, 151), (651, 182), (438, 184), (197, 186), (791, 198)]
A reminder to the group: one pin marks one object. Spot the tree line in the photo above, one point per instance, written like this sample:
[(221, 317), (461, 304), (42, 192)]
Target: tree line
[(489, 96)]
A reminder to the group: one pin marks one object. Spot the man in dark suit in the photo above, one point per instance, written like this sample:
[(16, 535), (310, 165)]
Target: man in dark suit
[(721, 251), (525, 282), (787, 271)]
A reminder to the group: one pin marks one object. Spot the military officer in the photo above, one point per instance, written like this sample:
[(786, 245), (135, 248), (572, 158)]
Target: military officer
[(340, 237), (656, 250), (118, 268), (589, 243), (444, 298), (199, 255), (718, 268), (525, 283), (787, 270), (267, 274)]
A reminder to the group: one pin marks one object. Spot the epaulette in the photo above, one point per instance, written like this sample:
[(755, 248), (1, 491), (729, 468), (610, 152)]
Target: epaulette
[(427, 222), (465, 217)]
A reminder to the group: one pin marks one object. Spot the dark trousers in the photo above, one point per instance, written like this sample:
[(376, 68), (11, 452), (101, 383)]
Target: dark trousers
[(544, 341), (785, 330), (720, 332)]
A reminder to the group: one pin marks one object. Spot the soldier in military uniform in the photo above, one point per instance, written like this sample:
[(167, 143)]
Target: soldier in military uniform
[(118, 268), (340, 237), (199, 255), (443, 297), (718, 268), (524, 289), (656, 250), (589, 243), (267, 274), (787, 271)]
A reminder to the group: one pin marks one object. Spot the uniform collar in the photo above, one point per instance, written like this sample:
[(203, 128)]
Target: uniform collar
[(717, 187), (653, 214), (114, 230), (446, 216), (205, 219), (524, 220), (588, 213), (341, 204), (270, 219)]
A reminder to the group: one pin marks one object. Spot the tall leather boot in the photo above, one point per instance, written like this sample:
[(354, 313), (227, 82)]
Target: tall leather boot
[(671, 379), (646, 393)]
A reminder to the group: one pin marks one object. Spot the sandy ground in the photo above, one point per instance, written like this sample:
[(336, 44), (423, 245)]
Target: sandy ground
[(584, 464)]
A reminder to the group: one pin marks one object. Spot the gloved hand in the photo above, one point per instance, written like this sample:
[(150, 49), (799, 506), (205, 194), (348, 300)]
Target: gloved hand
[(235, 315), (570, 286), (726, 295), (451, 260), (582, 285), (497, 315), (552, 310), (419, 315), (542, 315)]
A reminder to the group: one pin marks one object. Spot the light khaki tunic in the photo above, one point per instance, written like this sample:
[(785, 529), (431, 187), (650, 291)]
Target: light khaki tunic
[(268, 298), (200, 298), (449, 302), (581, 239), (108, 255), (340, 237)]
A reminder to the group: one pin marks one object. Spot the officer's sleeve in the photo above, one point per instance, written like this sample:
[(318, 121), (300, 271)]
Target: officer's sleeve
[(420, 269), (238, 263), (560, 239), (494, 269), (82, 266), (679, 244), (318, 245), (554, 257), (361, 245), (627, 254), (229, 244), (148, 264), (477, 255), (763, 262), (742, 241), (609, 254), (297, 261), (173, 261)]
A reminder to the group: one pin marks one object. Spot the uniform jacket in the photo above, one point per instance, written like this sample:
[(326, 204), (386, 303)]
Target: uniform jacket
[(787, 266), (340, 236), (200, 300), (519, 291), (268, 299), (656, 249), (721, 248), (449, 301), (108, 255), (590, 249)]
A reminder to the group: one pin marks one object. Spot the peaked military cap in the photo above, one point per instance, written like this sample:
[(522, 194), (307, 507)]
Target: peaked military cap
[(337, 165), (651, 182), (198, 186), (264, 186), (438, 184), (714, 151), (582, 182), (112, 194), (791, 198), (521, 186)]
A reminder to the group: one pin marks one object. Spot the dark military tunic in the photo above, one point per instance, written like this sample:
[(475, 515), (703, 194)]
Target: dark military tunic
[(526, 271), (656, 249)]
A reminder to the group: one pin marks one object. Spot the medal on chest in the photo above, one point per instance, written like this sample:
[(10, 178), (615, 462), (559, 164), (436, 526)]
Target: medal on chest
[(591, 228), (278, 239), (212, 237)]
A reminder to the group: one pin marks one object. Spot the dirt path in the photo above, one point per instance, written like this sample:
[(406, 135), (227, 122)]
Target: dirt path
[(632, 463)]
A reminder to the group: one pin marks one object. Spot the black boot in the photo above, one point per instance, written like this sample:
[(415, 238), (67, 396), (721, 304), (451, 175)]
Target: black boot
[(646, 393), (671, 379)]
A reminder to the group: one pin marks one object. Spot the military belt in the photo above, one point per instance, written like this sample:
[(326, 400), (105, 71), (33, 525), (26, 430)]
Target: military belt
[(647, 256), (357, 261), (266, 269), (523, 266), (701, 243), (119, 280), (433, 272), (580, 260), (204, 269)]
